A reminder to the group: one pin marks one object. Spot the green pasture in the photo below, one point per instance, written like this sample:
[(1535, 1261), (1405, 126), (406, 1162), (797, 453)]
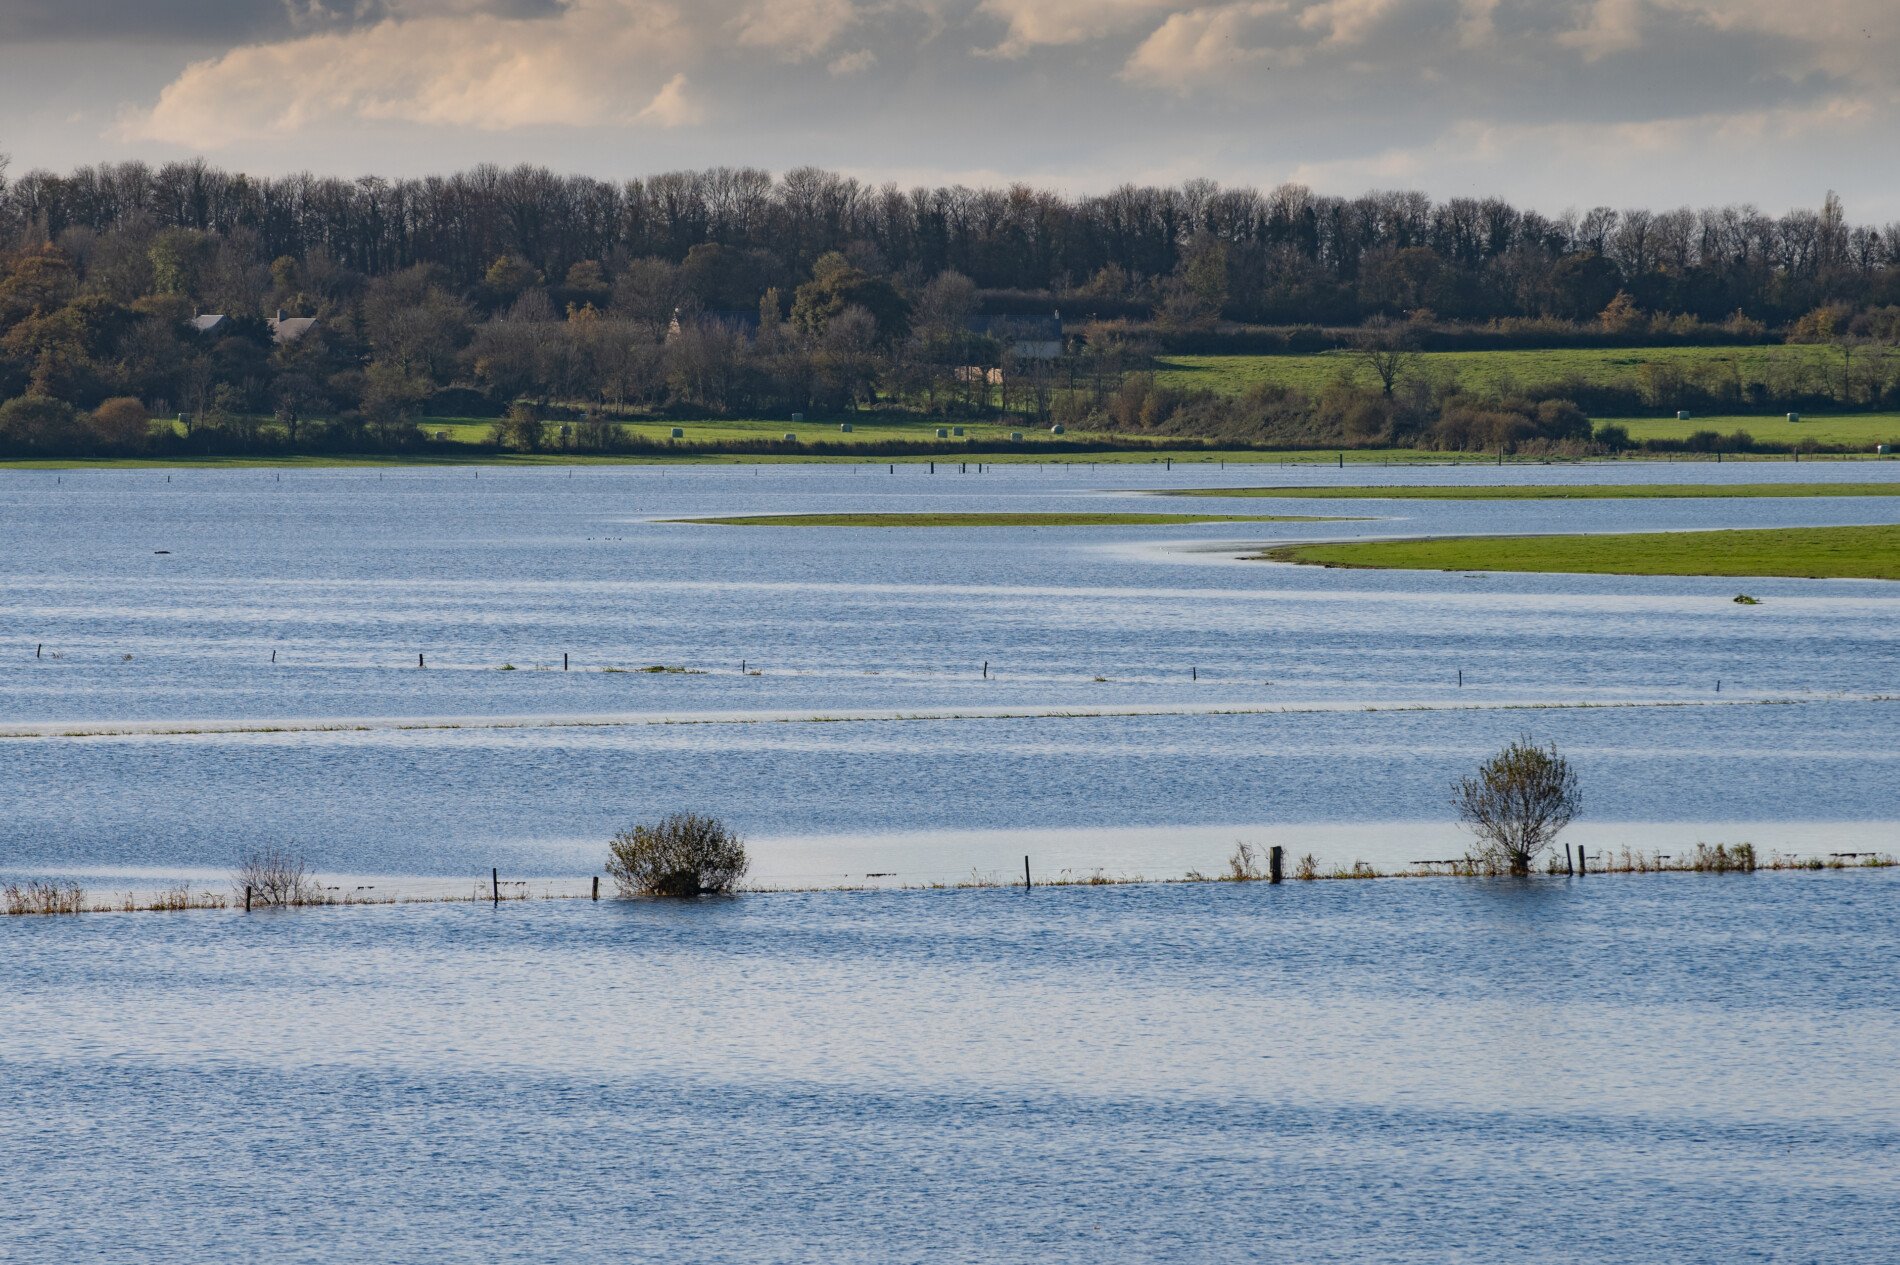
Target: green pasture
[(1551, 492), (1847, 429), (1860, 553), (1504, 371), (993, 520)]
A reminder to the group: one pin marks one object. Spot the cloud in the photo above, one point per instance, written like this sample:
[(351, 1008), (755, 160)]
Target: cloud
[(1612, 26), (1038, 23), (796, 29), (852, 63), (671, 107), (595, 62), (1208, 44)]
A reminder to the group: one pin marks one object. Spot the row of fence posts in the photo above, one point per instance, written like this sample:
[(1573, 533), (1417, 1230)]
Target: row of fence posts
[(1276, 873), (1194, 672)]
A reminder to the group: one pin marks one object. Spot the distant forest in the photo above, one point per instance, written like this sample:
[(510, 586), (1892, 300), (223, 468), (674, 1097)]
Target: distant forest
[(733, 292)]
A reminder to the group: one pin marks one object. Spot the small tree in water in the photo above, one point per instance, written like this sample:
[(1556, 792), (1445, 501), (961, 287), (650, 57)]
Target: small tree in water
[(1516, 805), (682, 855)]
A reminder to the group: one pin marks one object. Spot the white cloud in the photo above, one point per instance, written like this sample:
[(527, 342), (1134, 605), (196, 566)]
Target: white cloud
[(596, 62), (1206, 45), (794, 28)]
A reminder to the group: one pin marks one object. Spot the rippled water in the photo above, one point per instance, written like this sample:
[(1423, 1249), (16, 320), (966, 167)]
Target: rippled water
[(1679, 1068), (1619, 1069), (345, 577)]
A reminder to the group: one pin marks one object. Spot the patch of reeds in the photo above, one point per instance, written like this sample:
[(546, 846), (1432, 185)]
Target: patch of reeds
[(41, 897)]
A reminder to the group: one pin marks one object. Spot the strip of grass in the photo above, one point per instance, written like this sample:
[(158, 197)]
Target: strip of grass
[(1581, 492), (992, 520), (1507, 370), (1855, 553), (1849, 429)]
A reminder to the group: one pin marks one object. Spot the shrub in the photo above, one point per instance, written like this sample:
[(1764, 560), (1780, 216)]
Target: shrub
[(121, 423), (681, 855), (1516, 805), (275, 876)]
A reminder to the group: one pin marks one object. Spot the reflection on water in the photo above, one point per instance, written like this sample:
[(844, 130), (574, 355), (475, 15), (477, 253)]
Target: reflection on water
[(1076, 676), (1679, 1068), (1633, 1069)]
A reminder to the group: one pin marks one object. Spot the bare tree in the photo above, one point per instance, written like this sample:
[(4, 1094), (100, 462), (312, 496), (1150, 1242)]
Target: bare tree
[(1388, 350), (275, 876), (1517, 803)]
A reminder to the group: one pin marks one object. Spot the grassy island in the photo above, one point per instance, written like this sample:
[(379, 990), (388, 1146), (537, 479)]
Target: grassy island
[(1552, 492), (1859, 553)]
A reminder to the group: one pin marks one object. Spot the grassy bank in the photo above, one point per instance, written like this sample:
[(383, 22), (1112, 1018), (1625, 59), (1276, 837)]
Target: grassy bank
[(1859, 553), (994, 520), (1579, 492), (1852, 430)]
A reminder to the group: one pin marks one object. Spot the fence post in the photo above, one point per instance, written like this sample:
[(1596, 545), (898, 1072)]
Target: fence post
[(494, 878), (1026, 883), (597, 886), (1583, 864), (247, 898), (1274, 855)]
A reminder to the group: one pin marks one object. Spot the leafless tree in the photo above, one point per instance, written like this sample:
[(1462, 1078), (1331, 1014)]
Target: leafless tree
[(275, 875)]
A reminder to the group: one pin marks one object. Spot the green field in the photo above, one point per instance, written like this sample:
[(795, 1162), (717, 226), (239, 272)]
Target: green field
[(1503, 371), (1860, 553), (1849, 429), (1579, 492), (993, 520)]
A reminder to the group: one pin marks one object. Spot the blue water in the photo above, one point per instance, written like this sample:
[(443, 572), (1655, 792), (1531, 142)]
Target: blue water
[(1616, 1069), (345, 577)]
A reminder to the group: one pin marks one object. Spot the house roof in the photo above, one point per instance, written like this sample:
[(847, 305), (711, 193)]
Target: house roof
[(208, 323), (288, 329)]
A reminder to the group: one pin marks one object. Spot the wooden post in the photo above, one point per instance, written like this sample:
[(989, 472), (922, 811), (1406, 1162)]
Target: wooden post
[(986, 669), (37, 650), (1583, 864), (1461, 678), (1194, 674), (247, 898), (563, 661), (597, 886), (419, 662), (1567, 867), (1274, 856), (1026, 883), (494, 878)]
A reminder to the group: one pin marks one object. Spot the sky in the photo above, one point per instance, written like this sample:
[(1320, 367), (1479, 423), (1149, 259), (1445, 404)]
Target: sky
[(1555, 104)]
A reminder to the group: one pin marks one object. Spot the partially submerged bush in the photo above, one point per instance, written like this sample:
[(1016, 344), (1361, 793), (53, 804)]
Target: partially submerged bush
[(1516, 805), (275, 876), (685, 854)]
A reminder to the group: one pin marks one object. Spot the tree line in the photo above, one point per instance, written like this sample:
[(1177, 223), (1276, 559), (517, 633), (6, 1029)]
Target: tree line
[(525, 295), (1282, 256)]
